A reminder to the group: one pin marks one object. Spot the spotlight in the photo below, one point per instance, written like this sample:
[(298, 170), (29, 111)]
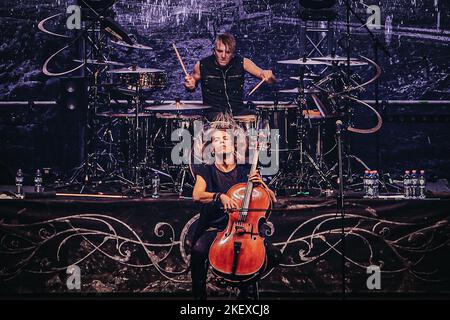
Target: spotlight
[(73, 95)]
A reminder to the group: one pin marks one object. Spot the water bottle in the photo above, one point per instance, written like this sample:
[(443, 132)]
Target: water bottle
[(38, 181), (155, 185), (366, 183), (414, 184), (375, 184), (407, 184), (19, 182), (422, 184), (370, 185)]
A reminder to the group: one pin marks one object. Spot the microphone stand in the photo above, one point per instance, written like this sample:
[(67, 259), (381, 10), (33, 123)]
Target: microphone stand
[(341, 200), (376, 45)]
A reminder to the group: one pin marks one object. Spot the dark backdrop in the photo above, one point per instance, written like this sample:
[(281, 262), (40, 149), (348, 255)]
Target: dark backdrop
[(415, 32)]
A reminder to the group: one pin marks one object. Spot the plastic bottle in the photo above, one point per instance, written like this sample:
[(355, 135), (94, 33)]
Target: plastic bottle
[(422, 184), (366, 183), (155, 185), (407, 184), (375, 183), (414, 184), (19, 182), (38, 181)]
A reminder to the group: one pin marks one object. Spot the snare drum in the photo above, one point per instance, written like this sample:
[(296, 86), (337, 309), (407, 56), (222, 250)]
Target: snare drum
[(246, 122)]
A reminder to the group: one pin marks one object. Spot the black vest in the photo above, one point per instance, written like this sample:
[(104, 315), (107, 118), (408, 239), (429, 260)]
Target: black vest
[(223, 88)]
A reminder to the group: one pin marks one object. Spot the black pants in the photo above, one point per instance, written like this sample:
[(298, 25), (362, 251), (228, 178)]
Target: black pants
[(199, 266)]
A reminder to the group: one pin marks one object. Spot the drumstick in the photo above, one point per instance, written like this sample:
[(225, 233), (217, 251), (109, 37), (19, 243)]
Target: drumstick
[(257, 86), (179, 58)]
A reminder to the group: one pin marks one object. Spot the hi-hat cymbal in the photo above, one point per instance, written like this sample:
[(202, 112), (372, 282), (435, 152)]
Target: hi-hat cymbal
[(134, 45), (99, 62), (297, 90), (177, 106), (302, 61), (135, 70)]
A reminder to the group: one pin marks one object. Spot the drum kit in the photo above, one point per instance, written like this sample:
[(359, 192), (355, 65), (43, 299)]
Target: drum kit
[(140, 139), (136, 140)]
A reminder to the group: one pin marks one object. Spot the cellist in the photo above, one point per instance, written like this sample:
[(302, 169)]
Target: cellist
[(212, 182)]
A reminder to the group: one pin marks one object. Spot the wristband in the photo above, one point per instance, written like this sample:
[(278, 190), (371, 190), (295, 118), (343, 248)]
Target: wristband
[(216, 197)]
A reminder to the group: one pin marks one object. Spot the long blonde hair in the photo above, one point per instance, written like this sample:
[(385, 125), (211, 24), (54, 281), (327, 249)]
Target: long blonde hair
[(223, 122)]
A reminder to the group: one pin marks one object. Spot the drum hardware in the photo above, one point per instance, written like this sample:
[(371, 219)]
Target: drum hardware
[(149, 124), (94, 60), (331, 94), (100, 62), (168, 117), (177, 106), (304, 62), (134, 78), (131, 46), (309, 171)]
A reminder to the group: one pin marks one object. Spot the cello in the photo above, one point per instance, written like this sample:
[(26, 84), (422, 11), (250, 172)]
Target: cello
[(238, 253)]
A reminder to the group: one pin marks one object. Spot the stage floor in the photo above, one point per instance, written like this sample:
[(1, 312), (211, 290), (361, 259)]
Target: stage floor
[(142, 246)]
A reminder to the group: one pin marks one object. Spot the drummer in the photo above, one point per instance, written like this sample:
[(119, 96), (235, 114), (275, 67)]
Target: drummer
[(222, 78)]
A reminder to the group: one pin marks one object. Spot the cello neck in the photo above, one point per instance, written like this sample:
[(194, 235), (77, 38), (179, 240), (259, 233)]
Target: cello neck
[(249, 188)]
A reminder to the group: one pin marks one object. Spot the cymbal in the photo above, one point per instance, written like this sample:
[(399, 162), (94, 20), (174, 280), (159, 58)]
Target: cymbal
[(99, 62), (168, 115), (129, 114), (302, 61), (296, 90), (177, 106), (278, 106), (341, 60), (135, 70), (134, 45), (332, 58), (304, 78), (353, 63)]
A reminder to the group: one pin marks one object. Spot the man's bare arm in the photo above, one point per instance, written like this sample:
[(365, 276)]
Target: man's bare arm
[(190, 81), (257, 72)]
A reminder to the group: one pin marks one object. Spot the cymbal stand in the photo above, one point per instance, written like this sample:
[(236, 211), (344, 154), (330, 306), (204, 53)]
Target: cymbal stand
[(92, 47), (305, 157)]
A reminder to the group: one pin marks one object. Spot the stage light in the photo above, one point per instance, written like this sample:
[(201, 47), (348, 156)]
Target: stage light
[(71, 87), (73, 95)]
